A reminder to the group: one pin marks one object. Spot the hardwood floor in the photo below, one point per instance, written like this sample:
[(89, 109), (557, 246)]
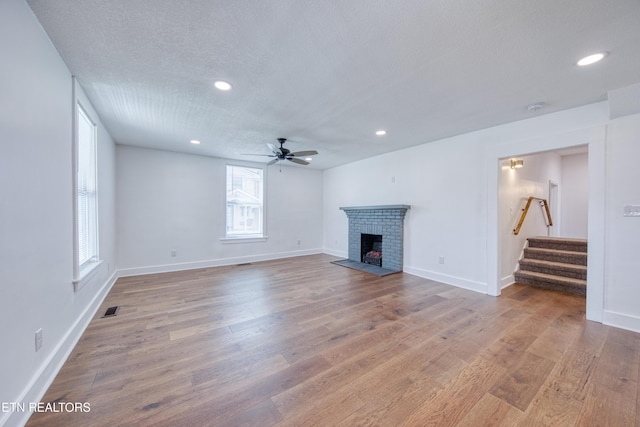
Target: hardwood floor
[(300, 342)]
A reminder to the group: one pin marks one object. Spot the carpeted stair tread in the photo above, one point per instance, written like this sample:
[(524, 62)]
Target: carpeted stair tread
[(553, 278), (551, 267), (558, 239), (556, 264), (557, 255), (549, 281), (559, 243)]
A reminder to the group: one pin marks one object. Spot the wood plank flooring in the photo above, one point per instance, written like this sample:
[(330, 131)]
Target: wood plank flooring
[(301, 342)]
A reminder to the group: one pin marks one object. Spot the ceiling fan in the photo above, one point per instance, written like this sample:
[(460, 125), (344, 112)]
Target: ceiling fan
[(282, 153)]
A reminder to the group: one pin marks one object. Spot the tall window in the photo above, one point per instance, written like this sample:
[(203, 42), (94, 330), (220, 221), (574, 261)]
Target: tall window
[(86, 196), (244, 201)]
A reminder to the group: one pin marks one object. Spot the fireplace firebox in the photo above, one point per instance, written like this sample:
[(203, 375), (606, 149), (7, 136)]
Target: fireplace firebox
[(371, 249)]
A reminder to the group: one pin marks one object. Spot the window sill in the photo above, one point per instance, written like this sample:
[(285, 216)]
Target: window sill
[(242, 239), (87, 272)]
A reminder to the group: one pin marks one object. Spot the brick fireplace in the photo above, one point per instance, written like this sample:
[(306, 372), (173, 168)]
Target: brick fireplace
[(387, 223)]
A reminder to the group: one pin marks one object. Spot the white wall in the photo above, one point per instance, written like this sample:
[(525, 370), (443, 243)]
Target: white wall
[(443, 182), (622, 233), (36, 218), (574, 195), (170, 201), (516, 186)]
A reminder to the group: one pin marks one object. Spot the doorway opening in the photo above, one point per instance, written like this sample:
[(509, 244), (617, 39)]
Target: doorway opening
[(594, 138), (538, 178)]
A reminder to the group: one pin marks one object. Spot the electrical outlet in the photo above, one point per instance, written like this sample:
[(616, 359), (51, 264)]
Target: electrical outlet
[(174, 253), (299, 242), (38, 339), (441, 260)]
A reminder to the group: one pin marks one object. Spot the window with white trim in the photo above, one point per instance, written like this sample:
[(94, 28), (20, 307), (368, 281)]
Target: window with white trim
[(245, 207), (86, 191)]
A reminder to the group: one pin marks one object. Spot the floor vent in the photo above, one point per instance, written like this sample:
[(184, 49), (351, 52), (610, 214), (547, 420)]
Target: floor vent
[(111, 311)]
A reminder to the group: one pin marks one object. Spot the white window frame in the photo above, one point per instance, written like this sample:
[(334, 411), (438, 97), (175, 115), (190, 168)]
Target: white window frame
[(248, 237), (84, 269)]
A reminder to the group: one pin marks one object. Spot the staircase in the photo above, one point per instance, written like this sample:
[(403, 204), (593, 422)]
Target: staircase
[(554, 263)]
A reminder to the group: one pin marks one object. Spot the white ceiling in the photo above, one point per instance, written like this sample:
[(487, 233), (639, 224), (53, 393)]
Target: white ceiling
[(328, 73)]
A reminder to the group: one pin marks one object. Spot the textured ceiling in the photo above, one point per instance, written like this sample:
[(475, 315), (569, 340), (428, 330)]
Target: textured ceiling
[(328, 74)]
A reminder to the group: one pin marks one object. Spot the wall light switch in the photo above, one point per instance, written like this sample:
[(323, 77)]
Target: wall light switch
[(631, 210), (38, 339)]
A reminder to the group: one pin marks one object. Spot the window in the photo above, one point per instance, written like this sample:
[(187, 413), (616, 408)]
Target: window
[(86, 193), (244, 202)]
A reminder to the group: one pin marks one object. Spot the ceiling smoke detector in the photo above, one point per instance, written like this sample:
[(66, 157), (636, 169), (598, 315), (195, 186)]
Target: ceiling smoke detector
[(536, 106)]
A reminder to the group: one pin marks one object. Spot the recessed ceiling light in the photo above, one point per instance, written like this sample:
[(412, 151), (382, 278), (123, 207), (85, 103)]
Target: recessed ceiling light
[(591, 59), (308, 159), (222, 85), (195, 141), (381, 132)]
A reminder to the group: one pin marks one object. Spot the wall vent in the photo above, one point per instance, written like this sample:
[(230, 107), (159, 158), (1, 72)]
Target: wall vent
[(243, 264), (111, 311)]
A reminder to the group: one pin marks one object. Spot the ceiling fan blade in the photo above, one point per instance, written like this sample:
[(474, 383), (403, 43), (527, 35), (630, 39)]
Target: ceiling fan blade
[(304, 153), (255, 154), (298, 161), (272, 161), (275, 150)]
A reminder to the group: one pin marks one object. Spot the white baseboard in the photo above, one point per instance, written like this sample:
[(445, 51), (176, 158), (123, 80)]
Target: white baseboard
[(622, 321), (334, 252), (43, 378), (192, 265), (449, 280), (507, 281)]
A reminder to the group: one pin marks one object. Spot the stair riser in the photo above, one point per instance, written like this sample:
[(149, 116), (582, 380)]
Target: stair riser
[(577, 258), (557, 271), (576, 290), (560, 246)]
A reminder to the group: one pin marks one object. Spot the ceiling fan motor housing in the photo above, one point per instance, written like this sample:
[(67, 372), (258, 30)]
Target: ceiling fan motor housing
[(283, 150)]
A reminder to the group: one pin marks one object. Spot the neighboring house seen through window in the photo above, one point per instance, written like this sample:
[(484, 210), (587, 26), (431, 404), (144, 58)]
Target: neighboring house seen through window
[(245, 197), (86, 193)]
